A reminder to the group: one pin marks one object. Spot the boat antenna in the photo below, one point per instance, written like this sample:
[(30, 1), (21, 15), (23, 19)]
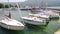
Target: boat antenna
[(41, 4), (8, 4), (9, 16), (46, 4)]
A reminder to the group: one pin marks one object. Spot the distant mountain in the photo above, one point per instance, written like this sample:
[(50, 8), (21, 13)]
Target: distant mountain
[(38, 2)]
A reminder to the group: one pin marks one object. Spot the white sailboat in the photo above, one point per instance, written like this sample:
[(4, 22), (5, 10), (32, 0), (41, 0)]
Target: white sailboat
[(46, 14), (41, 15), (41, 18), (10, 23), (34, 20), (52, 14)]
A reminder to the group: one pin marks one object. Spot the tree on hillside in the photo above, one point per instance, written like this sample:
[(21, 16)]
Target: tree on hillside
[(11, 5), (6, 6), (1, 5), (15, 5)]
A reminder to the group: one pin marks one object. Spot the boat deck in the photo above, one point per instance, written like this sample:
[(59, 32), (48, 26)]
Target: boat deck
[(11, 22)]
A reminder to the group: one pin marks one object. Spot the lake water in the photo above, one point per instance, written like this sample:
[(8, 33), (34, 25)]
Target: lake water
[(51, 27)]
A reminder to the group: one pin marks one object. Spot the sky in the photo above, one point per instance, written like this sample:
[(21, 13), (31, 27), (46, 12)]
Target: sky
[(1, 1), (34, 2)]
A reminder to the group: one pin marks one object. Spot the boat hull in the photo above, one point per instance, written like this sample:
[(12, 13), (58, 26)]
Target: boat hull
[(31, 26), (11, 27), (35, 22), (12, 24)]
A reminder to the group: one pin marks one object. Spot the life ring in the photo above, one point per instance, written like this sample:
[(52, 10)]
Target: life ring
[(35, 18)]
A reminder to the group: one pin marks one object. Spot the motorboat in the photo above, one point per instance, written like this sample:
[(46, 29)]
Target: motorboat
[(10, 23), (41, 15), (36, 9), (34, 20), (52, 13), (46, 14)]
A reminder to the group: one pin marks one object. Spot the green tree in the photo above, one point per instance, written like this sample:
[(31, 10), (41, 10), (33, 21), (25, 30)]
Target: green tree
[(11, 5), (6, 6), (15, 5), (1, 5)]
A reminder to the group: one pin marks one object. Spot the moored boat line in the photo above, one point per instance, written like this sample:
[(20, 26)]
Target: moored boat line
[(47, 15)]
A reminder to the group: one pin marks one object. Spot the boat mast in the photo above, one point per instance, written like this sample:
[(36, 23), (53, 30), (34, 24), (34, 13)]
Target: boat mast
[(8, 3), (19, 9), (9, 11), (46, 4), (20, 13), (41, 4)]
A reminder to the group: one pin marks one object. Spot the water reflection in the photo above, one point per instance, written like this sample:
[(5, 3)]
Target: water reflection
[(6, 31)]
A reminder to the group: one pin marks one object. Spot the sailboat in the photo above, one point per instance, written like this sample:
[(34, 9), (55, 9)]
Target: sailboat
[(35, 19), (10, 23), (41, 15), (41, 18), (46, 14)]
